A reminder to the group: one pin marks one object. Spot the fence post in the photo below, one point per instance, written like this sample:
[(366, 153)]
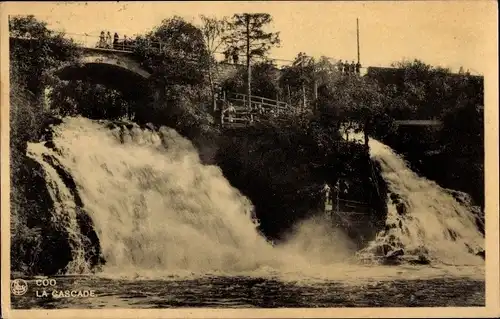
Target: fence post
[(337, 191)]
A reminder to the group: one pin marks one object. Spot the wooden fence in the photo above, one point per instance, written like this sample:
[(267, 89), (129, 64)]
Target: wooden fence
[(238, 110)]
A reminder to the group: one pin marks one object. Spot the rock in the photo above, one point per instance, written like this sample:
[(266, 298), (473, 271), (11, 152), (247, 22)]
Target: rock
[(394, 197), (481, 254), (382, 250), (49, 144), (401, 208), (392, 258), (421, 260), (130, 125), (395, 254)]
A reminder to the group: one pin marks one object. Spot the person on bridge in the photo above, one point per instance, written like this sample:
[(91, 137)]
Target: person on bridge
[(125, 42), (115, 40), (352, 67), (340, 66), (346, 68), (358, 68), (109, 43), (102, 42)]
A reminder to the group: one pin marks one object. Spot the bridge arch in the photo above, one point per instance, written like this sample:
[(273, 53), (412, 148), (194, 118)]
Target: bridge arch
[(113, 69)]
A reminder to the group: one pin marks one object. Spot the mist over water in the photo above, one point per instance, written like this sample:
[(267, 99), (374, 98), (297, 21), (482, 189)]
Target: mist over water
[(158, 210)]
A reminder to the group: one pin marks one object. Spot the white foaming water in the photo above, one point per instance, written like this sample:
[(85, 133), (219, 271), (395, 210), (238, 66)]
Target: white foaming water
[(158, 211), (154, 205), (65, 209), (435, 224)]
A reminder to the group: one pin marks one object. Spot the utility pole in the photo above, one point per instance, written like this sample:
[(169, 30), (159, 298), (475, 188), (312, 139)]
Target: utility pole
[(357, 36), (302, 64), (249, 78)]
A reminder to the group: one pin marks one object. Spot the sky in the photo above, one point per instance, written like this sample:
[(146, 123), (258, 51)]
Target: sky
[(442, 33)]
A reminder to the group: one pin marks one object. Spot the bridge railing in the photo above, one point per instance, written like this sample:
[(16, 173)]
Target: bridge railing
[(236, 110), (257, 101), (96, 42)]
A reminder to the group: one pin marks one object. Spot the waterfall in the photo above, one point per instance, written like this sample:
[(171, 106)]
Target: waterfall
[(155, 208), (423, 218), (153, 203)]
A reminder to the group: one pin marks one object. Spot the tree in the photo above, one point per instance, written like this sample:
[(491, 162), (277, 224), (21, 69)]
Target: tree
[(35, 51), (305, 76), (265, 77), (247, 34), (306, 73), (176, 55), (297, 78), (175, 52), (354, 101), (213, 31), (325, 71)]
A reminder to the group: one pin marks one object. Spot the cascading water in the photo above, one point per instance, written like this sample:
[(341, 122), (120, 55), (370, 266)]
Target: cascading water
[(157, 209), (154, 205), (65, 209), (429, 221)]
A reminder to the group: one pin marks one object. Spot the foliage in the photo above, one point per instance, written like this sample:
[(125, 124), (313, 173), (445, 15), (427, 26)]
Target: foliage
[(282, 167), (182, 57), (213, 30), (34, 60), (94, 101), (351, 101), (35, 52), (303, 74), (265, 79), (452, 154), (179, 71), (415, 90)]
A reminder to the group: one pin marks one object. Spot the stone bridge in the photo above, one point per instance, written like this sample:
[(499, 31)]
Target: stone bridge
[(113, 68)]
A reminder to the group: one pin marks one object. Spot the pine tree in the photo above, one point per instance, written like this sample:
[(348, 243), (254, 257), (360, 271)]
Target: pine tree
[(247, 34)]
